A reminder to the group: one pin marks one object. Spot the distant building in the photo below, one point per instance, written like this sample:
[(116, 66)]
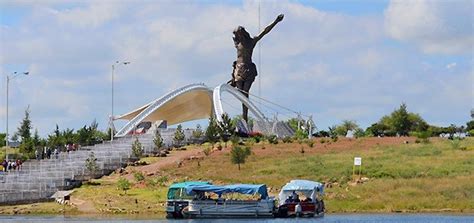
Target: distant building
[(14, 144)]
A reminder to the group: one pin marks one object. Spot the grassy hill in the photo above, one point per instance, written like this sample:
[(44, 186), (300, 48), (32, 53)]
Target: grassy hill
[(402, 176)]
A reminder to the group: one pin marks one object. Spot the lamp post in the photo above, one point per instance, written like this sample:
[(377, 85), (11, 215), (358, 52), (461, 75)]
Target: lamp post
[(112, 113), (9, 78)]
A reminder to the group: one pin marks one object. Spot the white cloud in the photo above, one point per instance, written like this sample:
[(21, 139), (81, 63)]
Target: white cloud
[(435, 26), (94, 15), (451, 65)]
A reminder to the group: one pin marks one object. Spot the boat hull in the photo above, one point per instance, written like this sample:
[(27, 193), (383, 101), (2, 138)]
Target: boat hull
[(230, 209)]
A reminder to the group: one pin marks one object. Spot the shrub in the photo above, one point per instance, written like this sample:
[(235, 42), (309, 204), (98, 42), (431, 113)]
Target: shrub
[(421, 136), (157, 140), (123, 184), (471, 132), (137, 149), (235, 139), (358, 132), (310, 143), (179, 136), (322, 141), (198, 133), (300, 134), (91, 163), (456, 144), (287, 139), (257, 137), (272, 139), (160, 181), (207, 151), (138, 176)]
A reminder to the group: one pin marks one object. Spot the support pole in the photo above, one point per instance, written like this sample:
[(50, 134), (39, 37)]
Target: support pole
[(112, 114), (6, 136)]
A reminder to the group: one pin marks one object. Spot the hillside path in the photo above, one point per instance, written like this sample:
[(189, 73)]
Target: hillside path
[(173, 158)]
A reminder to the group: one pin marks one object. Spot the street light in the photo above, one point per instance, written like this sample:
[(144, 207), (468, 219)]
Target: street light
[(9, 78), (112, 115)]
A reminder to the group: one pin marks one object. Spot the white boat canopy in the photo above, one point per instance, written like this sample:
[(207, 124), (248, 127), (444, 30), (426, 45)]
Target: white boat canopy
[(308, 188)]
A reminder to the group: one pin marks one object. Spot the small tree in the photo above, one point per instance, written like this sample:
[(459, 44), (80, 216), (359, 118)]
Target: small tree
[(238, 155), (358, 132), (137, 148), (225, 128), (157, 140), (91, 163), (179, 135), (123, 184), (24, 131), (198, 133), (138, 176), (2, 139), (333, 133), (212, 134)]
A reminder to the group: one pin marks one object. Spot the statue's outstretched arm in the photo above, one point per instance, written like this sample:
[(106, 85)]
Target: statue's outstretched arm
[(269, 28)]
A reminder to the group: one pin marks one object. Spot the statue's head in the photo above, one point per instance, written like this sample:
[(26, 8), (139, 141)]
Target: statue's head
[(240, 34)]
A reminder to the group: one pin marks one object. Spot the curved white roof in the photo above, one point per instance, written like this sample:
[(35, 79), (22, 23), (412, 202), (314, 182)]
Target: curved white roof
[(191, 102), (188, 103)]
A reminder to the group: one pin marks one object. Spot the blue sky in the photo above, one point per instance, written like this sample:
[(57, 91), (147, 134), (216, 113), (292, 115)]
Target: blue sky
[(335, 60)]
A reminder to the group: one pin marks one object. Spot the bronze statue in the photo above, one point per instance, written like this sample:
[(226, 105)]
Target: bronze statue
[(244, 70)]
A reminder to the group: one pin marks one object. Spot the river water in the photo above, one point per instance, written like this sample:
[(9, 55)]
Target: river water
[(333, 218)]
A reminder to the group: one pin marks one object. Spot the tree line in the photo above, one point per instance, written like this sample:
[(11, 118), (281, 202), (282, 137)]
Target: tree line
[(400, 122)]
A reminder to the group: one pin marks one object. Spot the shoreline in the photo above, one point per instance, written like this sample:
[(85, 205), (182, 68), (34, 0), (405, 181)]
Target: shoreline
[(24, 210)]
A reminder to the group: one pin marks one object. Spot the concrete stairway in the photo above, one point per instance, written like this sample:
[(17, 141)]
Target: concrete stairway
[(39, 180)]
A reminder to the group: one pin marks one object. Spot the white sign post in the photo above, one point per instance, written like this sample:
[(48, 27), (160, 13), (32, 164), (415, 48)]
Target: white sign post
[(357, 162)]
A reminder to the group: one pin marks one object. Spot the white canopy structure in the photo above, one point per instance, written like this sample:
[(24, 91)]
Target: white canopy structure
[(309, 188), (191, 102)]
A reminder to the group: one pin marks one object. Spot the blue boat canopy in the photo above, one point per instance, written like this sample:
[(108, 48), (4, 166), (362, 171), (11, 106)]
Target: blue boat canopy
[(234, 188), (187, 183), (177, 190)]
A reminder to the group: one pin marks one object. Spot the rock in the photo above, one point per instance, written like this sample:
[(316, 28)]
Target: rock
[(364, 179), (150, 174), (353, 184)]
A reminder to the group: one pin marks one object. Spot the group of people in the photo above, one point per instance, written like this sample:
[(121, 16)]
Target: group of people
[(46, 153), (49, 153), (295, 198), (11, 165)]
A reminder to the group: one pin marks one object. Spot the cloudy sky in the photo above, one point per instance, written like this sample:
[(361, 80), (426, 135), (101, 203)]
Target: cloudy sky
[(336, 59)]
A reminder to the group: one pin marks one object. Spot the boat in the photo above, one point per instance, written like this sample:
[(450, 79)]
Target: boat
[(177, 199), (220, 201), (292, 204)]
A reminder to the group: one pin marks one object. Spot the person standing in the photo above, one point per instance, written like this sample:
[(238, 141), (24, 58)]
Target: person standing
[(56, 152)]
